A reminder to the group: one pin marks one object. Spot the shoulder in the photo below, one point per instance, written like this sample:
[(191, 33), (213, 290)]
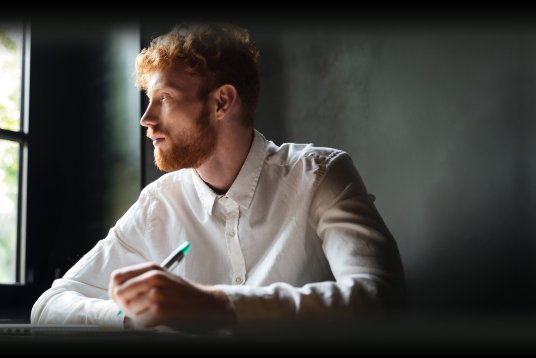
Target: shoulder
[(310, 165), (169, 182), (290, 154)]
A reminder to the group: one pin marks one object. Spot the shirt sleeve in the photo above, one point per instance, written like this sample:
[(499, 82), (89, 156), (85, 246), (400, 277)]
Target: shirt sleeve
[(81, 295), (361, 251)]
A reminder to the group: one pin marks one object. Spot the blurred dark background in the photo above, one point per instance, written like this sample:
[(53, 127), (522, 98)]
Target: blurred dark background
[(438, 114)]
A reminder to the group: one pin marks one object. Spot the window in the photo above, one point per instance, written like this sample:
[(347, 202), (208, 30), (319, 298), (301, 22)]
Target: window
[(13, 150)]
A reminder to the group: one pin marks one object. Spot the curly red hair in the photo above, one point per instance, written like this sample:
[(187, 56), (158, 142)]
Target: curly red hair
[(218, 53)]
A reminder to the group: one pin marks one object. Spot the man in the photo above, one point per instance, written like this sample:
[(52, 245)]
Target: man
[(279, 234)]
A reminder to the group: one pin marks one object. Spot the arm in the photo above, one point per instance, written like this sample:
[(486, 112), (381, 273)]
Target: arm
[(362, 254), (80, 296), (72, 302)]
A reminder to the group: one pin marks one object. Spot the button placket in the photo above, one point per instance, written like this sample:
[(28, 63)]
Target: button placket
[(233, 243)]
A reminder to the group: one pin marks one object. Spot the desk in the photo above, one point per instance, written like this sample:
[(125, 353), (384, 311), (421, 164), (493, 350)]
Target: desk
[(447, 334)]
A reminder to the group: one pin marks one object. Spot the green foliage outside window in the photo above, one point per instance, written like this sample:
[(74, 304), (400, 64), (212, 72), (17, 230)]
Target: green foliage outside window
[(10, 91)]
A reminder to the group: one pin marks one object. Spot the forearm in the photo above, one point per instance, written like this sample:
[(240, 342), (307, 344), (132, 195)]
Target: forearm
[(61, 304), (340, 302)]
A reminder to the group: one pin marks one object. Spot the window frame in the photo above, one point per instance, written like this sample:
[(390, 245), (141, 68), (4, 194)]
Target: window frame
[(21, 138)]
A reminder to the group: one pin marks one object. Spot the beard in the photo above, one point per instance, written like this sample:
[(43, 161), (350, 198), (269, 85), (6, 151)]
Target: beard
[(189, 150)]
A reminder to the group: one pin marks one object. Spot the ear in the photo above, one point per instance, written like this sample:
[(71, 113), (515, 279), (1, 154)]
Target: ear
[(225, 98)]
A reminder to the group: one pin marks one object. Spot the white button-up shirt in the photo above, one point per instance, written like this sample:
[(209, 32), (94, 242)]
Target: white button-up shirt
[(296, 237)]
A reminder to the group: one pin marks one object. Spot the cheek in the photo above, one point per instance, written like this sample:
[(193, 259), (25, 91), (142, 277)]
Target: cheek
[(178, 116)]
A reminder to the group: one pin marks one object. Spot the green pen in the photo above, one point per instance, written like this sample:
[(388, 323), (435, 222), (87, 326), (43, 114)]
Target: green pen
[(176, 256), (171, 261)]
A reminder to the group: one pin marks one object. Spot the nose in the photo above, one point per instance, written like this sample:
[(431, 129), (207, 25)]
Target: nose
[(150, 117)]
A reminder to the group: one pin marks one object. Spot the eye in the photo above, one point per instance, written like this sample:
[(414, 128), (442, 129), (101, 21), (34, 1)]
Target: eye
[(163, 97)]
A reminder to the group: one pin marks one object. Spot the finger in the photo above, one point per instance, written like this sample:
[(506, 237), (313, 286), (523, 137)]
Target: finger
[(160, 303), (151, 316), (121, 275), (174, 303), (142, 302), (137, 288)]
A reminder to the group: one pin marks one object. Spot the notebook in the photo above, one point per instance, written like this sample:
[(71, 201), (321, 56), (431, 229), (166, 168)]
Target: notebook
[(49, 329)]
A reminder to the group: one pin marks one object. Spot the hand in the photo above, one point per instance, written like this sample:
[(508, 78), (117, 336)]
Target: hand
[(150, 297)]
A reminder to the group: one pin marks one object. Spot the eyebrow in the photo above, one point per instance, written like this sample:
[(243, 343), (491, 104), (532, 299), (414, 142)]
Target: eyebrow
[(163, 88)]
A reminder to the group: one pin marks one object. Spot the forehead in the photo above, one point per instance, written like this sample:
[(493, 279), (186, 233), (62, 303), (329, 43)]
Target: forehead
[(174, 77)]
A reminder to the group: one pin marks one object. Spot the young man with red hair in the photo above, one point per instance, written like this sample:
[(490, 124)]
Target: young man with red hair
[(279, 234)]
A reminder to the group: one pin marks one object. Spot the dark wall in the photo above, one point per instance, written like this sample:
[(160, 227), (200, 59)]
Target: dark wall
[(528, 202), (439, 118), (84, 143), (434, 117)]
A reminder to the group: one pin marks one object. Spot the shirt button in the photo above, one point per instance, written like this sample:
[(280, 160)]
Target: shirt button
[(232, 233), (238, 280)]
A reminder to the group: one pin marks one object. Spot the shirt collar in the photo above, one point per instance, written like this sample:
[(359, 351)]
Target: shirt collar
[(243, 188), (206, 195)]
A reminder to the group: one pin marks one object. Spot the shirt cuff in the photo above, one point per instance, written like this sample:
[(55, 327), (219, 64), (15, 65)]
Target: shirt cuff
[(108, 316)]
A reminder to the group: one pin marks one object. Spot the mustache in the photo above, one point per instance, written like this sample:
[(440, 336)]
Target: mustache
[(156, 132)]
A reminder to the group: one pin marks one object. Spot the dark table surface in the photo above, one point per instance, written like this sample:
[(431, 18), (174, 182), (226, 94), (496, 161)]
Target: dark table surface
[(409, 334)]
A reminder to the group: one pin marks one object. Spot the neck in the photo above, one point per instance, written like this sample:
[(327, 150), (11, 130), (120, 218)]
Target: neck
[(222, 168)]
